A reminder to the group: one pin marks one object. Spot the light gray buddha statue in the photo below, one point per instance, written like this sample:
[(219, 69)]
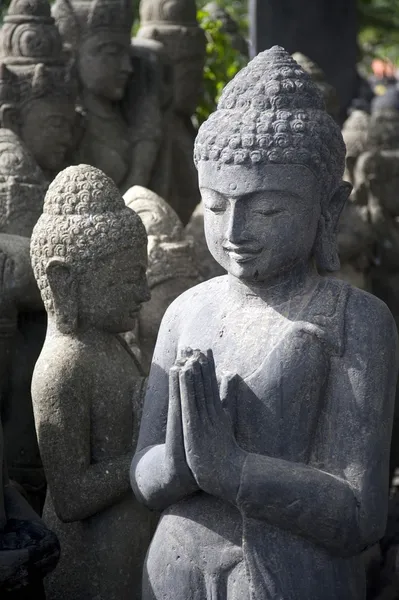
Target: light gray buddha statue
[(268, 414)]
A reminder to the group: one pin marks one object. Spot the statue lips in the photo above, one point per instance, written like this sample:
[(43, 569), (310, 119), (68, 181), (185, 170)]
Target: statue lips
[(241, 254)]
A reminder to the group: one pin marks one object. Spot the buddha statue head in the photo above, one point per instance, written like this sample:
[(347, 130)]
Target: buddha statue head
[(355, 133), (317, 74), (98, 33), (22, 186), (270, 163), (174, 23), (89, 254), (31, 48)]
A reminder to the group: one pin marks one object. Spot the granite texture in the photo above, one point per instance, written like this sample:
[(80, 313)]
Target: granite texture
[(89, 258), (172, 268), (268, 414), (174, 24)]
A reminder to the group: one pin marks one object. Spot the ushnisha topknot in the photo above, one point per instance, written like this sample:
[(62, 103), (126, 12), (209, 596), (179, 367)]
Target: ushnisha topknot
[(84, 219), (273, 113)]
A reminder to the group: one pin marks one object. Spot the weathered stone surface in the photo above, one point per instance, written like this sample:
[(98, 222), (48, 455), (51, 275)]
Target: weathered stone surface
[(175, 25), (89, 258), (259, 441), (42, 88), (122, 126), (28, 550), (172, 268)]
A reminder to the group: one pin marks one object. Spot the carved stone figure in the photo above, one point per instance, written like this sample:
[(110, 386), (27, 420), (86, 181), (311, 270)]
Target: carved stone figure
[(259, 440), (22, 190), (172, 268), (43, 111), (384, 130), (206, 263), (175, 25), (28, 550), (122, 128), (355, 133), (89, 258), (22, 186), (329, 92)]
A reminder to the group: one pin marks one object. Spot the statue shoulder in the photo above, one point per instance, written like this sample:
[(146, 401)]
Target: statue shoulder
[(370, 324)]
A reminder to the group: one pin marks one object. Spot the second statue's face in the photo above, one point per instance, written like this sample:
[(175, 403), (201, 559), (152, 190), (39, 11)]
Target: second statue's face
[(188, 83), (47, 130), (104, 65), (111, 293), (259, 221)]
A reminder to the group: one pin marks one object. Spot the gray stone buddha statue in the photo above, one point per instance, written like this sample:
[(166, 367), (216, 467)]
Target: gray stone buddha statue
[(174, 24), (89, 256), (172, 267), (43, 112), (355, 132), (122, 127), (265, 432)]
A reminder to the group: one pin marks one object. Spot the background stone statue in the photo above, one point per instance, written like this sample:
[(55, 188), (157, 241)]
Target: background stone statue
[(355, 133), (122, 127), (268, 413), (22, 190), (28, 550), (174, 24), (172, 268), (43, 111), (89, 255)]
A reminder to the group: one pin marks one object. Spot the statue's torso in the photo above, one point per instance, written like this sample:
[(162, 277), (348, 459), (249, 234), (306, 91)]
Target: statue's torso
[(283, 363)]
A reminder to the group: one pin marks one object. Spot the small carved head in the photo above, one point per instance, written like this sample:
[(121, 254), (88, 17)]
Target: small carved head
[(89, 254), (270, 163), (158, 216), (355, 133), (98, 32)]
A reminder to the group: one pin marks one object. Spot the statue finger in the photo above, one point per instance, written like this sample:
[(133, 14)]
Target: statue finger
[(208, 389), (212, 373), (174, 427)]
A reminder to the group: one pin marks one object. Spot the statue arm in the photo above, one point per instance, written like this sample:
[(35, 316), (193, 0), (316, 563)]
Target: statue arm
[(343, 504), (159, 474), (79, 487)]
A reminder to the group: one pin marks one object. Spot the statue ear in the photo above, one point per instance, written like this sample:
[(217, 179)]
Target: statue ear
[(64, 291), (326, 246), (9, 118)]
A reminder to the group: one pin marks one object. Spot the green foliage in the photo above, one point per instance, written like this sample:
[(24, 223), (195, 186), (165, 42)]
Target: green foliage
[(222, 63), (379, 30)]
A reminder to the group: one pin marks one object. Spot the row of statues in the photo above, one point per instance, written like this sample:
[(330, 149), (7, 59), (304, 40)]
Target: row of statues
[(261, 363)]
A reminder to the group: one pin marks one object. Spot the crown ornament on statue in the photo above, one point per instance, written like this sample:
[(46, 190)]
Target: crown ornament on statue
[(78, 19), (273, 113), (29, 35)]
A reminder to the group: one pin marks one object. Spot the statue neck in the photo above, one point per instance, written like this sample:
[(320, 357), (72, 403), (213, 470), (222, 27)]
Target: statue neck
[(276, 290), (98, 105)]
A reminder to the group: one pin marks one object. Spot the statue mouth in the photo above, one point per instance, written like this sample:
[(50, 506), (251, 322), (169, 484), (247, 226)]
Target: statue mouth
[(241, 254)]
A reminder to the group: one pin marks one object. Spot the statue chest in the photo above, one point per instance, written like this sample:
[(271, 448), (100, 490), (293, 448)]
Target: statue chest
[(282, 370), (113, 404)]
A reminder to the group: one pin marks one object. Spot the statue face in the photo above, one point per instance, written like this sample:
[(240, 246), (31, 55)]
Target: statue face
[(47, 130), (111, 292), (188, 83), (259, 221), (104, 65)]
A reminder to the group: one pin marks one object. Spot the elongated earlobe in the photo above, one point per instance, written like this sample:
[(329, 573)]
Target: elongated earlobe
[(326, 246), (64, 291)]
